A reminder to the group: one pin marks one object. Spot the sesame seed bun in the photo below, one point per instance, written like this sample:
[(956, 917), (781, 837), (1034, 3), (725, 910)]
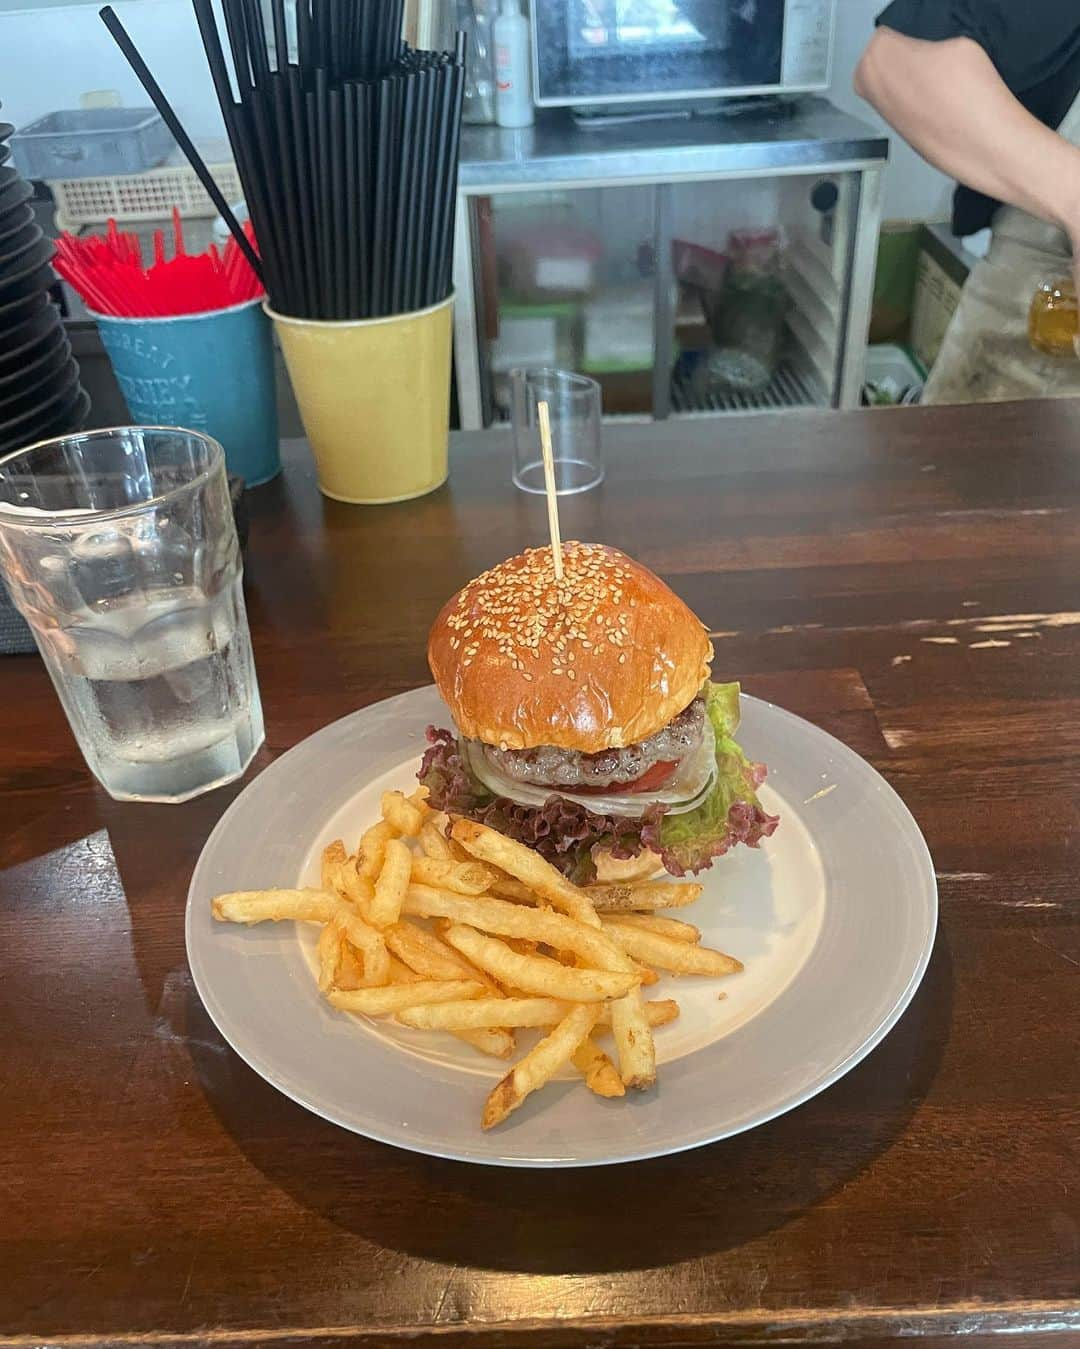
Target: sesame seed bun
[(601, 660)]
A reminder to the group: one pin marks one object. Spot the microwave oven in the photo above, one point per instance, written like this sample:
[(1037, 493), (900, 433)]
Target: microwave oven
[(603, 52)]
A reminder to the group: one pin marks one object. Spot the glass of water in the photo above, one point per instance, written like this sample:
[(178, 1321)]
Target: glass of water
[(574, 413), (119, 548)]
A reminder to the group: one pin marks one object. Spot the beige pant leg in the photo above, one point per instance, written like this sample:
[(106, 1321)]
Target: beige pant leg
[(986, 356)]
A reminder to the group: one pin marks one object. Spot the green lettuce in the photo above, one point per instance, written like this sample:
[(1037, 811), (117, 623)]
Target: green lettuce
[(730, 814), (570, 836)]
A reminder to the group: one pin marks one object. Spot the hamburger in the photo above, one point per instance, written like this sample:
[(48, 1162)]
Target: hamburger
[(585, 722)]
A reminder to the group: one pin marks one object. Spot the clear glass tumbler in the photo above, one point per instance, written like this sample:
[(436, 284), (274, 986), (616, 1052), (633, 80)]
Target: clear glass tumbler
[(574, 412), (119, 548)]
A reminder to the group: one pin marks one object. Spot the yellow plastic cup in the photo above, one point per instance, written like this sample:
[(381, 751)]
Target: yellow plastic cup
[(374, 397)]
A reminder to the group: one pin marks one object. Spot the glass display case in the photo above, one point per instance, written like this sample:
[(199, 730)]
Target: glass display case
[(691, 268)]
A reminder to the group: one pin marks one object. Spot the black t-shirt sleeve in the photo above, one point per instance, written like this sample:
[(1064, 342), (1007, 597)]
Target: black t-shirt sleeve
[(1028, 41), (1035, 48)]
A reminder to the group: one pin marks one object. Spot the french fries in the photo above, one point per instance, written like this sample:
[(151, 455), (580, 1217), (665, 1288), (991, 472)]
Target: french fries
[(645, 974), (367, 943), (430, 956), (434, 843), (510, 856), (670, 954), (334, 857), (539, 1065), (538, 974), (496, 1041), (350, 968), (519, 1012), (392, 883), (515, 920), (371, 849), (401, 814), (274, 906), (393, 998), (484, 1013), (506, 887), (640, 897), (328, 951), (448, 925), (463, 878), (660, 1012), (350, 886), (634, 1041), (666, 927), (597, 1069)]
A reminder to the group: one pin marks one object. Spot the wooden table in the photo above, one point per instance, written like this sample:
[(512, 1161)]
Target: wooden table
[(907, 579)]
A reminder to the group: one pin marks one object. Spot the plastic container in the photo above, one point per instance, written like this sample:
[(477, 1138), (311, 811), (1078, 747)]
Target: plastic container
[(127, 198), (551, 262), (619, 331), (747, 315), (91, 142), (513, 60), (892, 376), (211, 372), (474, 19), (374, 396)]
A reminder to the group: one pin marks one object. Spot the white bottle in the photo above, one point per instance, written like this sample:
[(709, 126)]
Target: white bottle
[(513, 91)]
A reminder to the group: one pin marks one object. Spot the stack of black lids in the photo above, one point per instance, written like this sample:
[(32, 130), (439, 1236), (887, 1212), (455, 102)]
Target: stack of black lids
[(40, 393)]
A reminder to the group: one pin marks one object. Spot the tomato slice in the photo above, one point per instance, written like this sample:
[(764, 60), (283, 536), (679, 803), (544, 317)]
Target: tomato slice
[(652, 780)]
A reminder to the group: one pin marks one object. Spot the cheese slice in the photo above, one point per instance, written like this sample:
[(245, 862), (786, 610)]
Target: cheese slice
[(692, 783)]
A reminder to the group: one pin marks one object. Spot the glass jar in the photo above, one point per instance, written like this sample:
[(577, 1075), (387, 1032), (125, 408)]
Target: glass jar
[(747, 316), (1053, 320)]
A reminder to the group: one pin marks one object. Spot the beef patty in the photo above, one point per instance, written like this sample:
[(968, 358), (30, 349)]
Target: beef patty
[(549, 766)]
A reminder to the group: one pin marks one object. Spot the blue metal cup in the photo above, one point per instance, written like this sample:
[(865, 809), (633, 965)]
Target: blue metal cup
[(211, 372)]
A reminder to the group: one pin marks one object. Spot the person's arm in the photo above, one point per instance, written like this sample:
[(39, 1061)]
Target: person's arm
[(949, 102)]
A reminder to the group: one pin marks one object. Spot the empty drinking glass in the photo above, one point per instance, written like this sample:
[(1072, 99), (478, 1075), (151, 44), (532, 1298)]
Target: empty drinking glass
[(119, 548), (574, 411)]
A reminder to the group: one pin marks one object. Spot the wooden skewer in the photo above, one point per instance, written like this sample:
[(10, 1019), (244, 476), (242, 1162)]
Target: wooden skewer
[(549, 487)]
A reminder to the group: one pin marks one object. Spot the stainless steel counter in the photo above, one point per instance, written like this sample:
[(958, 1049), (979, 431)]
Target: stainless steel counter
[(800, 135)]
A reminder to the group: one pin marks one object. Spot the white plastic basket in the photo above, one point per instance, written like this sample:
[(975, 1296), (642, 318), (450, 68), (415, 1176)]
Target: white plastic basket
[(141, 196)]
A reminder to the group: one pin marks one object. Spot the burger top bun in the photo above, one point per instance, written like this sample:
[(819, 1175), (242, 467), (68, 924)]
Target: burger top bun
[(601, 659)]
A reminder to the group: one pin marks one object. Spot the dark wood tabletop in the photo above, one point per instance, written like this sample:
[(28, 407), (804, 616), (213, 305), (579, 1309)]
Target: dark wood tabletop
[(909, 580)]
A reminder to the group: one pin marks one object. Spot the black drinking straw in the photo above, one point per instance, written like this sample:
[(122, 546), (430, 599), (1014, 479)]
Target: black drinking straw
[(258, 202), (279, 93), (275, 227), (367, 112), (311, 125), (234, 30), (303, 161), (281, 40), (326, 191), (367, 40), (352, 204), (340, 214), (236, 124), (333, 26), (444, 247), (348, 156), (419, 205), (441, 171), (157, 97), (405, 174), (380, 233), (303, 33), (256, 36), (321, 12)]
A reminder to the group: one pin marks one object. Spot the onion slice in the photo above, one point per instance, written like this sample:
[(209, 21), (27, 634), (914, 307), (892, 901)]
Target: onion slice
[(690, 786)]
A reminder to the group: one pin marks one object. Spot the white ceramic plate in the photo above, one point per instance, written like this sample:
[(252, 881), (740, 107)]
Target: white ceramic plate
[(834, 918)]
